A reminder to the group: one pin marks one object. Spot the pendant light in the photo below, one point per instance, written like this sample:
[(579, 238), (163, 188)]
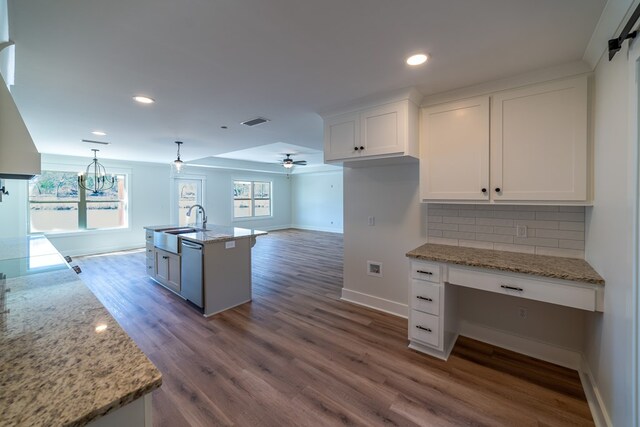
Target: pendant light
[(177, 163), (97, 173)]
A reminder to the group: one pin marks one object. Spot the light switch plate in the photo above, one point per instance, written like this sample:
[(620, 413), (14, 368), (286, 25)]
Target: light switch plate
[(230, 245)]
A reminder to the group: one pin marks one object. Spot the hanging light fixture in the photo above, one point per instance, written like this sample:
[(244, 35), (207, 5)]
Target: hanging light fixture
[(177, 163), (98, 174)]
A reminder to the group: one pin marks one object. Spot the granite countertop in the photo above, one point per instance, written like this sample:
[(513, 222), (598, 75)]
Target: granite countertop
[(64, 360), (577, 270), (213, 233)]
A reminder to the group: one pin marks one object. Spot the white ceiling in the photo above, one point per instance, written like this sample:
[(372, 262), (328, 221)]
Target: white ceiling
[(210, 63)]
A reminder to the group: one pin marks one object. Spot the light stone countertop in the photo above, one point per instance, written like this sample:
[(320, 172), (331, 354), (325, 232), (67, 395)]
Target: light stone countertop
[(64, 360), (576, 270), (213, 233)]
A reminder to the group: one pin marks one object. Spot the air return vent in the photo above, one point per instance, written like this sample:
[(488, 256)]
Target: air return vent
[(89, 141), (256, 121)]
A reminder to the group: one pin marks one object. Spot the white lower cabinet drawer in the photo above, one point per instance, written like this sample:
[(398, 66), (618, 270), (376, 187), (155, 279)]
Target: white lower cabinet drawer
[(425, 297), (425, 271), (425, 328), (583, 296)]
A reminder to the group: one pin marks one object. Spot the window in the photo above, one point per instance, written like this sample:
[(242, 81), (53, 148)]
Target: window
[(251, 199), (56, 204)]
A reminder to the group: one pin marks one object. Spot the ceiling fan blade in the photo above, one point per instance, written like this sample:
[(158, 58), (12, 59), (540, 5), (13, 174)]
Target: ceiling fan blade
[(300, 162)]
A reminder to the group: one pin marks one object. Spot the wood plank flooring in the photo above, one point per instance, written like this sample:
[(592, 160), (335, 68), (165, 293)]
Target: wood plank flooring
[(298, 356)]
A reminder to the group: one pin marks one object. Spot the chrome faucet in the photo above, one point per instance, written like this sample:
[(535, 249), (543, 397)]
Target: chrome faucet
[(204, 215)]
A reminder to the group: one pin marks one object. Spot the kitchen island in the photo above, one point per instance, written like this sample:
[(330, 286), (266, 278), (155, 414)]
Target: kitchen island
[(209, 267), (64, 360)]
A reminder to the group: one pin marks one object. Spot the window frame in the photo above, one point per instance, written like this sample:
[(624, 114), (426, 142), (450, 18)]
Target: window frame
[(252, 199), (82, 201)]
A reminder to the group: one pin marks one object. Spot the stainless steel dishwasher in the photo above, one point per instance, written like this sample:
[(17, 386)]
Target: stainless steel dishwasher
[(192, 274)]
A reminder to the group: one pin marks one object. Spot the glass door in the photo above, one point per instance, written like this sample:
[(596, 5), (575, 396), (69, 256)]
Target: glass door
[(188, 193)]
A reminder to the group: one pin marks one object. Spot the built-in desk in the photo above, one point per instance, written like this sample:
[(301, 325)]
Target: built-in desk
[(438, 270)]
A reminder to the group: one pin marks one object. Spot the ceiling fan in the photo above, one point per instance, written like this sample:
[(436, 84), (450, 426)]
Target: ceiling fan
[(288, 162)]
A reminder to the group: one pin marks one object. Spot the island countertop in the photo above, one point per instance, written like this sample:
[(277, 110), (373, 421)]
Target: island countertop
[(64, 360), (213, 233), (577, 270)]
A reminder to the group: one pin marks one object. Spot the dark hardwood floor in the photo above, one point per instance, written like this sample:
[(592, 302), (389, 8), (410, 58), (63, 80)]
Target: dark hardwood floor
[(297, 355)]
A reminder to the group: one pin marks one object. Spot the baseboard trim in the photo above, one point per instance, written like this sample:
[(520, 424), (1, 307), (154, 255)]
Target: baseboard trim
[(596, 404), (540, 350), (313, 228), (376, 303)]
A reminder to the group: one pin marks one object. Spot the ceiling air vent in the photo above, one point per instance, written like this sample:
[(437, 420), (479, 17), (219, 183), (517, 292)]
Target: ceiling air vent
[(256, 121), (89, 141)]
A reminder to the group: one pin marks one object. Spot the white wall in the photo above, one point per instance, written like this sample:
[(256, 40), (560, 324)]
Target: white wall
[(316, 201), (390, 195), (13, 209), (609, 244)]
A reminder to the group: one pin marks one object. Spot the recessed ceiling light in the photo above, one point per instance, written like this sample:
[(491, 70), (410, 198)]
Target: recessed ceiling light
[(417, 59), (99, 133), (143, 99)]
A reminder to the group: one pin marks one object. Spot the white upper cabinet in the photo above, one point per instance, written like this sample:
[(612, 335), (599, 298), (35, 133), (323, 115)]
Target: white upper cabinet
[(515, 146), (388, 130), (539, 142), (454, 151)]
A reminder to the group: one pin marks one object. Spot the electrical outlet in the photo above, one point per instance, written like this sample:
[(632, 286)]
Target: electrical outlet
[(521, 231), (522, 312), (372, 220)]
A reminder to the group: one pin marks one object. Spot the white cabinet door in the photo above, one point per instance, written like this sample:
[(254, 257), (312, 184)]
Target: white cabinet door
[(539, 142), (454, 151), (383, 130), (342, 137)]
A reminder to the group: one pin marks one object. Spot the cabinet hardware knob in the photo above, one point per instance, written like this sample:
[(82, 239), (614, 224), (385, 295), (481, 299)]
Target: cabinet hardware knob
[(512, 288), (484, 190), (424, 298), (361, 148), (165, 257), (356, 148), (424, 329), (424, 272), (498, 189)]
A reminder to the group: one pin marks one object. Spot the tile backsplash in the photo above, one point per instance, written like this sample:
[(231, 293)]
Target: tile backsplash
[(550, 230)]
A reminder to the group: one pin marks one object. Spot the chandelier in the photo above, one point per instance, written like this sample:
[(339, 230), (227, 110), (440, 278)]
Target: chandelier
[(95, 178)]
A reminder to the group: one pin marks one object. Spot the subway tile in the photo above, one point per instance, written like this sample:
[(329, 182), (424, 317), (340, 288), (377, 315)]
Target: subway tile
[(561, 234), (458, 235), (511, 231), (503, 207), (536, 241), (560, 216), (495, 222), (443, 212), (458, 220), (550, 225), (571, 244), (475, 228), (477, 214), (442, 226), (514, 248), (499, 238), (567, 253), (442, 241), (434, 233), (467, 207), (544, 208), (572, 209), (515, 215), (574, 226), (484, 207), (434, 218), (476, 244)]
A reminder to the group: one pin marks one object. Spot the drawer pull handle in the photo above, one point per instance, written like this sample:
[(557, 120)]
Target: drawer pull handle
[(165, 257), (424, 272), (512, 288), (424, 329), (424, 298)]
